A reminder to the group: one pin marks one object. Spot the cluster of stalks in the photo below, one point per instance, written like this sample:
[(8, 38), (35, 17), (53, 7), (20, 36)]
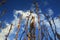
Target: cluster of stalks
[(18, 27), (31, 34)]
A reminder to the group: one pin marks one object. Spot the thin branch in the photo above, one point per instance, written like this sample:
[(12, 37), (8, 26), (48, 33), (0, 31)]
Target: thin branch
[(9, 32), (50, 24), (32, 29), (58, 35), (16, 38)]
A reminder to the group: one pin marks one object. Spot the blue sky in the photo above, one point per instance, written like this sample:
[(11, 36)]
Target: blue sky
[(11, 5), (25, 5)]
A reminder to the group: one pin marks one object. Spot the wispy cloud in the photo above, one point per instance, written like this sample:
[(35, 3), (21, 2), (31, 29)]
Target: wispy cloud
[(50, 11), (57, 23), (4, 32)]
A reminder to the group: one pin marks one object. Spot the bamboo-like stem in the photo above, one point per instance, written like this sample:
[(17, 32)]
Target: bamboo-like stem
[(22, 34), (55, 28), (50, 25), (27, 25), (56, 34), (32, 28), (39, 28), (26, 28), (17, 33), (9, 32), (37, 9), (47, 33), (16, 38)]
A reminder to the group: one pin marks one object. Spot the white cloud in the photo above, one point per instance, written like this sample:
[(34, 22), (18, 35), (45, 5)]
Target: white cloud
[(57, 23), (25, 14), (4, 32), (50, 11), (42, 17)]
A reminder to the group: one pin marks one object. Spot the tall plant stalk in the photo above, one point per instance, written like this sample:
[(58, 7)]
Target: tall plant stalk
[(16, 37), (56, 34), (32, 29), (9, 32), (47, 16), (39, 28)]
